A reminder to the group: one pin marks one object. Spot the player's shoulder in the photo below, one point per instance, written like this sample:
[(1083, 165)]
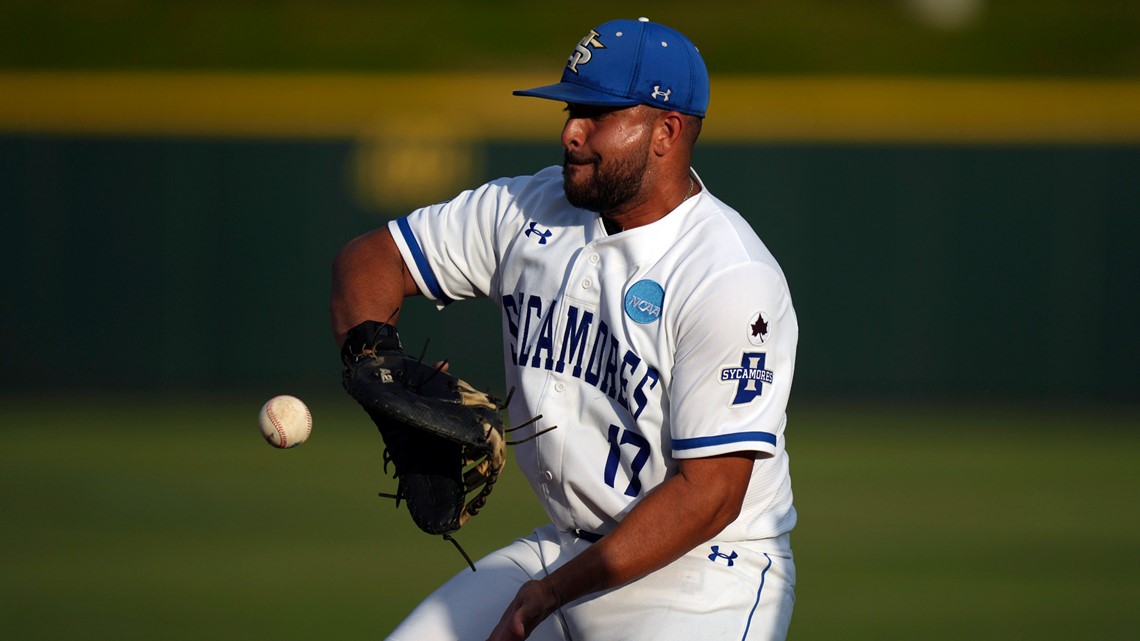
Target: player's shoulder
[(547, 176), (721, 262), (543, 184), (725, 237), (522, 197), (506, 201)]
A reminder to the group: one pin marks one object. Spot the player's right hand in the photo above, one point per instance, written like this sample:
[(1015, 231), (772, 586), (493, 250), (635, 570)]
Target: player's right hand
[(530, 607)]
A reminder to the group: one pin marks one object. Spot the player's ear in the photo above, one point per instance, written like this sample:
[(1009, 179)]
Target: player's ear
[(668, 132)]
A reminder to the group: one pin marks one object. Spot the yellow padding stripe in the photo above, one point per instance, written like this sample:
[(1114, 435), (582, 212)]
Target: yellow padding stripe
[(477, 107)]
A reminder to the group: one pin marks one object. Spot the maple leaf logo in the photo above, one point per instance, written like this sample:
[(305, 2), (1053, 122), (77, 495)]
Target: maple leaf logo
[(759, 329)]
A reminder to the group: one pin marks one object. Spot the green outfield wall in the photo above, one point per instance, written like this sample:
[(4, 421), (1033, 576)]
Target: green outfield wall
[(930, 256)]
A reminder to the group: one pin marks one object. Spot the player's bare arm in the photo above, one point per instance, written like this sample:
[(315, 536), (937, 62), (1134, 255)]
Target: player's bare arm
[(369, 282), (685, 511)]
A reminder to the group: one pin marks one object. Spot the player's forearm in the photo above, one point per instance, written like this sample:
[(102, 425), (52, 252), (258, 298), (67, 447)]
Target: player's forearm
[(684, 512), (369, 282)]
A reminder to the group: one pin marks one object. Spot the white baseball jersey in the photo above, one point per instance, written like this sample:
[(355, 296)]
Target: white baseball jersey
[(668, 341)]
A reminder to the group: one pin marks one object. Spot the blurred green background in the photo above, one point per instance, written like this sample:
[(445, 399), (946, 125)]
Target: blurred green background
[(1038, 37), (950, 186)]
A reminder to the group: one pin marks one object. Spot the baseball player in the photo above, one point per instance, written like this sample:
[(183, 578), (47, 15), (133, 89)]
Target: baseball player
[(645, 319)]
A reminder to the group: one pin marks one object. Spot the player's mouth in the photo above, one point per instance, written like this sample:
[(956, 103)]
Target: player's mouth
[(575, 164), (569, 159)]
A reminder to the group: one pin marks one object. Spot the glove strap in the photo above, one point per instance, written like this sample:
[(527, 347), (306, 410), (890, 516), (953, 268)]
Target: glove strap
[(369, 337)]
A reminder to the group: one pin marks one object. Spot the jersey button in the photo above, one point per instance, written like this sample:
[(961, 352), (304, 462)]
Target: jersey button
[(594, 258), (548, 475), (586, 283), (558, 387)]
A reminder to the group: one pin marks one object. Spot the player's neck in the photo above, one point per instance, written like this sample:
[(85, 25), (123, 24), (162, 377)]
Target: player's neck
[(648, 211)]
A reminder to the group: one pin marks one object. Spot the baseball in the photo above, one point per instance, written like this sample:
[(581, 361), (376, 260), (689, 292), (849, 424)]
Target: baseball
[(285, 421)]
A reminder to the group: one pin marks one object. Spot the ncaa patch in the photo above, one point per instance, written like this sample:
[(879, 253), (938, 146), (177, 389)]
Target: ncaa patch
[(758, 329), (643, 301)]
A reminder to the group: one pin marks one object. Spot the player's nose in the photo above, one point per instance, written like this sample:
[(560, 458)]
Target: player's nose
[(573, 134)]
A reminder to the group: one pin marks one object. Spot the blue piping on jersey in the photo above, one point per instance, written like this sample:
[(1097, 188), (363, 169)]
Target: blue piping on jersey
[(709, 441), (421, 261), (763, 575)]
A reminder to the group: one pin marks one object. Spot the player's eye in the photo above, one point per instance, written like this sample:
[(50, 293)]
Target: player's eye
[(590, 112)]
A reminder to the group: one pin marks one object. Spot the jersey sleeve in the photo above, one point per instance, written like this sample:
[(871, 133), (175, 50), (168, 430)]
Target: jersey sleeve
[(451, 248), (736, 346)]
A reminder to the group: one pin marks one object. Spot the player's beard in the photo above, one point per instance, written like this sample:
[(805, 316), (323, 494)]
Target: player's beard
[(611, 184)]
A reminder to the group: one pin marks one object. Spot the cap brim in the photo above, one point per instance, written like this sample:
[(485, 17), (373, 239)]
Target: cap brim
[(577, 94)]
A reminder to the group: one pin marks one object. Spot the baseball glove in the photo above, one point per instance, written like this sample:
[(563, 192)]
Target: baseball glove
[(444, 438)]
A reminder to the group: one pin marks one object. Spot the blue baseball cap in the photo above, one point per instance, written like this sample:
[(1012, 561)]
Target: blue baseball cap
[(631, 62)]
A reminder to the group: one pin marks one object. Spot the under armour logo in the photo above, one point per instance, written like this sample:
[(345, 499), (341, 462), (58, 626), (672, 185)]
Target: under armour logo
[(582, 54), (663, 95), (542, 234), (717, 554)]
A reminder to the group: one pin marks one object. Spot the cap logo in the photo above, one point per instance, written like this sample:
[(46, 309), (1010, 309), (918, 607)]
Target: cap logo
[(582, 53), (663, 95)]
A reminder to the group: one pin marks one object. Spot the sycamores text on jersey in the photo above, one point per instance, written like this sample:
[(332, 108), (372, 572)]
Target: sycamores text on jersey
[(611, 367)]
